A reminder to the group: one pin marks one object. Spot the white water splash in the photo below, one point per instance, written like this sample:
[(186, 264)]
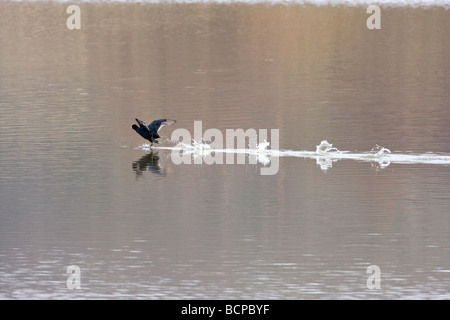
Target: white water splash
[(378, 150), (145, 147), (325, 147), (261, 153), (325, 154), (262, 147), (202, 149)]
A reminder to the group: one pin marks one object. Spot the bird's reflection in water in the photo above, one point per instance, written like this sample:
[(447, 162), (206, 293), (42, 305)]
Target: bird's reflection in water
[(148, 162)]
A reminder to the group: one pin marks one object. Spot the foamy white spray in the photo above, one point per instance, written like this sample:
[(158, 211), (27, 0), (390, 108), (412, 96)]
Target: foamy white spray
[(324, 155)]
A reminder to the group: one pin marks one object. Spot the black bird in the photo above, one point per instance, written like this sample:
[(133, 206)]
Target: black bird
[(150, 132)]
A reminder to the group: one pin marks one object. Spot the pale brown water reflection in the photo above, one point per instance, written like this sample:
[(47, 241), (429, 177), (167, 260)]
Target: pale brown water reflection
[(76, 190)]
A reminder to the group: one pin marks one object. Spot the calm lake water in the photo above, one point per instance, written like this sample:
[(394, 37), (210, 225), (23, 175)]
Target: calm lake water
[(79, 186)]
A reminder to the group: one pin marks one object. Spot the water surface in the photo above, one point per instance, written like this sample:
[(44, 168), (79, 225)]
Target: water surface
[(79, 188)]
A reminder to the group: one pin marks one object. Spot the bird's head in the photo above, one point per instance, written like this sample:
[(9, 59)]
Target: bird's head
[(135, 127)]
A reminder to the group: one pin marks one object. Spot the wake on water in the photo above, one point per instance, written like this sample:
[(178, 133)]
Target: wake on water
[(325, 154)]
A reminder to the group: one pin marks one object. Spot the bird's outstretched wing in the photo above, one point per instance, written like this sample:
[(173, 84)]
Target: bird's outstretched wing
[(156, 125), (142, 125)]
